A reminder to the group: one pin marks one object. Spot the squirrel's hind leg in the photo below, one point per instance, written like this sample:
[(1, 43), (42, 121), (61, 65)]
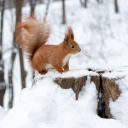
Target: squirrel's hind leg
[(41, 69), (43, 72)]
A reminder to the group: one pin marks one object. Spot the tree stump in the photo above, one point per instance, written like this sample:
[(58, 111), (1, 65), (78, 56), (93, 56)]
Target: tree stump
[(106, 87)]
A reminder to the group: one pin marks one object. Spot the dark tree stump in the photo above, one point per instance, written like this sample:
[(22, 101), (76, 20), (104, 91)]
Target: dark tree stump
[(106, 87)]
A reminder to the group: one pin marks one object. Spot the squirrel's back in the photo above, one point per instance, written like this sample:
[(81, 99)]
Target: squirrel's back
[(31, 34)]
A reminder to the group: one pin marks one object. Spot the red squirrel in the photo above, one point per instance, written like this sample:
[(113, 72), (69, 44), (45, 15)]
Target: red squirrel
[(32, 35)]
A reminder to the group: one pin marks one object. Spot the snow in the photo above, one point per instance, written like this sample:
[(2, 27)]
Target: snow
[(71, 73), (119, 108), (47, 105), (116, 74), (2, 113)]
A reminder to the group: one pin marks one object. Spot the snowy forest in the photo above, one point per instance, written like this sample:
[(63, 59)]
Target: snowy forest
[(101, 29)]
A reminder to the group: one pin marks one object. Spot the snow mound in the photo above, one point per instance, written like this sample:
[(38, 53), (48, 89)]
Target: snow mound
[(46, 105), (119, 108), (2, 113)]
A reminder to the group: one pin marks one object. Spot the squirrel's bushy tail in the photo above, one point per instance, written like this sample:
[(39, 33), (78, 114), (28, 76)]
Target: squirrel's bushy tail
[(31, 34)]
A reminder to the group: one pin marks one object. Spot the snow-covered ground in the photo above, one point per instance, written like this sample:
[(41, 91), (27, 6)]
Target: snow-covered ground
[(46, 105), (103, 38), (2, 113)]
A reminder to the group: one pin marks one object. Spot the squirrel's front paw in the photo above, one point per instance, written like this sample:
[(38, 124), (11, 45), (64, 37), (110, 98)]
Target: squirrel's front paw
[(65, 70), (60, 70)]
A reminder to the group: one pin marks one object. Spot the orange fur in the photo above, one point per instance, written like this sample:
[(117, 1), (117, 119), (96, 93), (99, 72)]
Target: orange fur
[(33, 33)]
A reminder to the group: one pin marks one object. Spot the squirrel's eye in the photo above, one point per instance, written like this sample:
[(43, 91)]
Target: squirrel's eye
[(72, 46)]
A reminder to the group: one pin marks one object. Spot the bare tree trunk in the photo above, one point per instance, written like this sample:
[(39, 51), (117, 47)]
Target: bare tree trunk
[(63, 12), (2, 81), (18, 18), (10, 77), (32, 4), (84, 4), (100, 1), (116, 6), (46, 12), (18, 5)]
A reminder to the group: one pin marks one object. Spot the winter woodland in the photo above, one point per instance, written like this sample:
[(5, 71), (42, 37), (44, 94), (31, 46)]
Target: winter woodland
[(100, 28)]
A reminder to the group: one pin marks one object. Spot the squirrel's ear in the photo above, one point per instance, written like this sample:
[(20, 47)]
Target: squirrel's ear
[(70, 33), (66, 39)]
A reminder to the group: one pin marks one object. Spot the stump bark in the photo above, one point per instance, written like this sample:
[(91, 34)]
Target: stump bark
[(109, 90)]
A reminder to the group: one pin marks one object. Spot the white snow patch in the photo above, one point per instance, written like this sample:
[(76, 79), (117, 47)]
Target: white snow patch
[(2, 113), (71, 73), (119, 108)]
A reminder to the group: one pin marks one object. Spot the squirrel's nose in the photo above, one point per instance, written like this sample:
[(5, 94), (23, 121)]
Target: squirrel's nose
[(79, 50)]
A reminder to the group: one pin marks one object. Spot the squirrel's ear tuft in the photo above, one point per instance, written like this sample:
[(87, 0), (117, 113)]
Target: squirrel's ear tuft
[(70, 33), (66, 39)]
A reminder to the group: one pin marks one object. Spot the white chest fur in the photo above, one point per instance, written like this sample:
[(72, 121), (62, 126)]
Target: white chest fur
[(48, 66), (65, 60)]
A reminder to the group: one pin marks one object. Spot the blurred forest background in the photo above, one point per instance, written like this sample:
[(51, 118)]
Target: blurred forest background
[(95, 23)]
